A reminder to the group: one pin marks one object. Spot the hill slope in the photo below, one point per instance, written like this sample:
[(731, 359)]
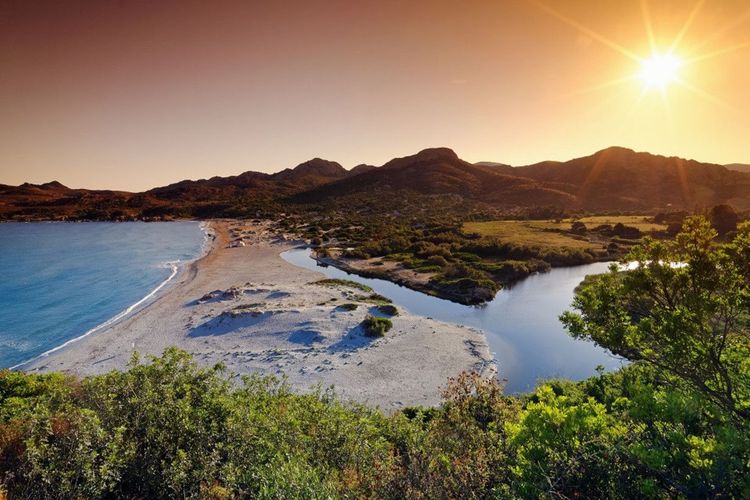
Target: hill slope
[(441, 171), (738, 167), (620, 178)]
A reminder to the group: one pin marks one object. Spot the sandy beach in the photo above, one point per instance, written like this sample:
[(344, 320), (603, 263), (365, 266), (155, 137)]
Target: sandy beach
[(243, 305)]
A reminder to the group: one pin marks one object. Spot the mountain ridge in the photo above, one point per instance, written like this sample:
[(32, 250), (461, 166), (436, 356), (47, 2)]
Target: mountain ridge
[(614, 178), (739, 167)]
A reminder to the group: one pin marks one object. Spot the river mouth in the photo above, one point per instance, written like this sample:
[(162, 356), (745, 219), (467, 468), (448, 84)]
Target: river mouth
[(522, 323)]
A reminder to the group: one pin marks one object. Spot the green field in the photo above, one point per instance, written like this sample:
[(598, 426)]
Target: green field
[(541, 234), (642, 222), (551, 233)]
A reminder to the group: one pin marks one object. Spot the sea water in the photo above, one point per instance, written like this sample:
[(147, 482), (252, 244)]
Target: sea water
[(61, 281)]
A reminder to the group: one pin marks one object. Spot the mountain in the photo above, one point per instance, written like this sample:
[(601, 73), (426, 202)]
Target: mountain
[(361, 168), (303, 177), (620, 178), (497, 167), (441, 171), (53, 200), (311, 173), (612, 179), (738, 167)]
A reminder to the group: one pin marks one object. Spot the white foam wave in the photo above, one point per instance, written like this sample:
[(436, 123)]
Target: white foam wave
[(208, 238), (173, 265)]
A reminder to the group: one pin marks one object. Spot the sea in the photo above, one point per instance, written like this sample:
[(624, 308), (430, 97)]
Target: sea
[(62, 281)]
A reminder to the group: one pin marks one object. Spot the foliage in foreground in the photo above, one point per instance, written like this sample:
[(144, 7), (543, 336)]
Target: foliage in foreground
[(654, 429), (171, 429), (684, 308)]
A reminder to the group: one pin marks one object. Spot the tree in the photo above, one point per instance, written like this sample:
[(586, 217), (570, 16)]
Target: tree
[(578, 227), (684, 308), (723, 219)]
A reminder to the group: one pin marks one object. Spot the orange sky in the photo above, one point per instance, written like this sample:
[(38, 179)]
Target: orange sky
[(130, 94)]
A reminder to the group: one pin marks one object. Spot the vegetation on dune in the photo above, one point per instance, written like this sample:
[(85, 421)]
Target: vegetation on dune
[(375, 326), (388, 309), (349, 306), (376, 299), (343, 283)]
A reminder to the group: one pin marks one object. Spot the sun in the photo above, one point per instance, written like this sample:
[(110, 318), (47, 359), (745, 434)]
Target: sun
[(659, 70)]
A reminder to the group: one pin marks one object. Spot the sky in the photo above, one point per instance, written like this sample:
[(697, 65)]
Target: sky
[(132, 94)]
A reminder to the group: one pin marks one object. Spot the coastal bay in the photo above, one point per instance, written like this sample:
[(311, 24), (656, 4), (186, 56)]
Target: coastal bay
[(244, 306)]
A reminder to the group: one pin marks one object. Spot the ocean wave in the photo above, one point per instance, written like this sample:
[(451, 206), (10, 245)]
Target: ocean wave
[(173, 265)]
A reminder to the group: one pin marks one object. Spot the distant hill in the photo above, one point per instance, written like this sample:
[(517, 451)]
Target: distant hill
[(53, 200), (498, 167), (441, 171), (623, 179), (738, 167), (612, 179), (303, 177)]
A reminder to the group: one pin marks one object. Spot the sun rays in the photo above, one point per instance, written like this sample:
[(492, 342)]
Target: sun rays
[(660, 70), (662, 67)]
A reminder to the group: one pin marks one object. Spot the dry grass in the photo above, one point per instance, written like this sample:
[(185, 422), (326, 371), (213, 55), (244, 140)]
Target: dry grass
[(549, 233), (642, 222), (540, 234)]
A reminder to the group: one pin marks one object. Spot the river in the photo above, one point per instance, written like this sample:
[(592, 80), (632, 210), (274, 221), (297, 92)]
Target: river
[(521, 323)]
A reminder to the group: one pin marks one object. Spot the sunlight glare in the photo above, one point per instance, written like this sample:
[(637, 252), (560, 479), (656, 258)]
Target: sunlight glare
[(660, 70)]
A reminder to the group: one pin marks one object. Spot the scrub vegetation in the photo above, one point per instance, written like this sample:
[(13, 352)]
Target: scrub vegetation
[(461, 251), (375, 326)]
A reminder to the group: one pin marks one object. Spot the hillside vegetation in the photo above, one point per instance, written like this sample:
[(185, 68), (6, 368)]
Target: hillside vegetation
[(433, 250), (673, 424)]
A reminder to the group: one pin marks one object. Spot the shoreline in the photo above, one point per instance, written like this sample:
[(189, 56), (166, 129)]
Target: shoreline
[(379, 268), (242, 305), (178, 269)]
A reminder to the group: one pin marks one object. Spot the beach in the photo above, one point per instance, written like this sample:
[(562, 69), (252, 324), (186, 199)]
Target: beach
[(242, 305)]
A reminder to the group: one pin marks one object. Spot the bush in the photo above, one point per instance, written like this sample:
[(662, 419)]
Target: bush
[(437, 260), (334, 283), (374, 326), (388, 309), (578, 227), (349, 306), (378, 299)]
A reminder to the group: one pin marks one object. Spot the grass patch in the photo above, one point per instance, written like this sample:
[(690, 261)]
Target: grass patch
[(376, 327), (376, 298), (553, 233), (643, 223), (349, 306), (345, 283), (539, 234)]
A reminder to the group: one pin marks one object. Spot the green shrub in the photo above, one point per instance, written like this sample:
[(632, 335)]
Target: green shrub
[(349, 306), (388, 309), (376, 298), (331, 282), (374, 326), (437, 260)]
